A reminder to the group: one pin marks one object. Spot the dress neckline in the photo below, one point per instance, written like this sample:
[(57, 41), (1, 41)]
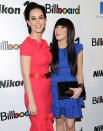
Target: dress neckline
[(63, 48), (35, 40)]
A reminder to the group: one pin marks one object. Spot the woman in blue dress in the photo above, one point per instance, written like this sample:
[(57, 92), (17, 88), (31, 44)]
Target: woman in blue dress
[(66, 66)]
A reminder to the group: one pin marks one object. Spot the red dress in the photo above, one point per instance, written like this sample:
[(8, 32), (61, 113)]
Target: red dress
[(40, 59)]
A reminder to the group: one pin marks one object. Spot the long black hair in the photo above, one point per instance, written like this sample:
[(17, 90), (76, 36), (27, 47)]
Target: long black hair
[(72, 58), (29, 7)]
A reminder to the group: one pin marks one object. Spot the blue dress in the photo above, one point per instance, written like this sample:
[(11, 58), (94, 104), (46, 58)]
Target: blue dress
[(70, 108)]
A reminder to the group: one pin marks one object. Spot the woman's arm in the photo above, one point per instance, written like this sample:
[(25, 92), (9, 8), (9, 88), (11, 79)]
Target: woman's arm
[(25, 68), (80, 78)]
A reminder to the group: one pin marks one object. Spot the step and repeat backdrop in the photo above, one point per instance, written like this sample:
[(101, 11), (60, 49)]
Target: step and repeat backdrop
[(87, 16)]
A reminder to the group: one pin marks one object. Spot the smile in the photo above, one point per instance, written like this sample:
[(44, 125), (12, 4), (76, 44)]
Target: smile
[(38, 26)]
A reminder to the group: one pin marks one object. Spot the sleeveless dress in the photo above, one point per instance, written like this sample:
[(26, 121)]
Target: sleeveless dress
[(41, 57), (70, 108)]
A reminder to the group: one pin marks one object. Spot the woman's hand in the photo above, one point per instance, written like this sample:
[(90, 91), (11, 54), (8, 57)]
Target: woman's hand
[(77, 92), (32, 109)]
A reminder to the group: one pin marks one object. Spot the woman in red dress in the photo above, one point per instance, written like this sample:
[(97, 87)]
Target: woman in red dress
[(35, 58)]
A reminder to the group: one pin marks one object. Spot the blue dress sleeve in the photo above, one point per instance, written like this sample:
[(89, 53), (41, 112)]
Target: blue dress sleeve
[(78, 48)]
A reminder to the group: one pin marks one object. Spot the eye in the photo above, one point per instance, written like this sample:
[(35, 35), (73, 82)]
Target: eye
[(33, 18), (41, 17)]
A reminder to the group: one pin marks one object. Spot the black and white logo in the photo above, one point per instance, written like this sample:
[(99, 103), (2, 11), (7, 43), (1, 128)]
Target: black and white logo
[(9, 10)]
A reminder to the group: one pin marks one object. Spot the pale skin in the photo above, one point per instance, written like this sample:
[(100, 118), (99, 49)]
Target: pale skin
[(37, 23), (61, 36)]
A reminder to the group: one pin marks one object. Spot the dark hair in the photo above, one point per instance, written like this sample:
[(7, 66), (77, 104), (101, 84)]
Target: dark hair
[(72, 58), (29, 7)]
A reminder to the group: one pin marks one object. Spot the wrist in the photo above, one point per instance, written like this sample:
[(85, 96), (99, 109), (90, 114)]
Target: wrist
[(81, 85), (31, 102)]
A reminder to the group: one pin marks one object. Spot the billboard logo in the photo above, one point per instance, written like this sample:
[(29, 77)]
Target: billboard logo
[(97, 100), (56, 9), (4, 45), (101, 7), (9, 10), (12, 115), (97, 42)]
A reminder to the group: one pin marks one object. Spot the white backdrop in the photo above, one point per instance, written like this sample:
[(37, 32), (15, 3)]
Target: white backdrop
[(89, 28)]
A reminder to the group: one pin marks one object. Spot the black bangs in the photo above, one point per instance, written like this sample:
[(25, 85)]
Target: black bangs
[(62, 22)]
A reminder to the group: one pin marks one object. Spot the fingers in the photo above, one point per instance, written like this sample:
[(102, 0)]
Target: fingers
[(33, 113), (75, 96), (70, 92), (71, 88), (76, 93), (32, 110)]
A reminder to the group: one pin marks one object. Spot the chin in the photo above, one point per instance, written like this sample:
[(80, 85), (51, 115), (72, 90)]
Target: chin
[(39, 31), (58, 39)]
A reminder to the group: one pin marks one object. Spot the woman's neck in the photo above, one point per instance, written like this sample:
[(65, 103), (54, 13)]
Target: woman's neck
[(62, 44), (36, 36)]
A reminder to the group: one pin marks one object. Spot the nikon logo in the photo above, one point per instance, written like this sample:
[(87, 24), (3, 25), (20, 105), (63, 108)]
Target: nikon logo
[(10, 83), (9, 10), (98, 128), (98, 73)]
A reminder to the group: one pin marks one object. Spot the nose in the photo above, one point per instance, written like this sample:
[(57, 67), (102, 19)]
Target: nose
[(37, 21), (58, 30)]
